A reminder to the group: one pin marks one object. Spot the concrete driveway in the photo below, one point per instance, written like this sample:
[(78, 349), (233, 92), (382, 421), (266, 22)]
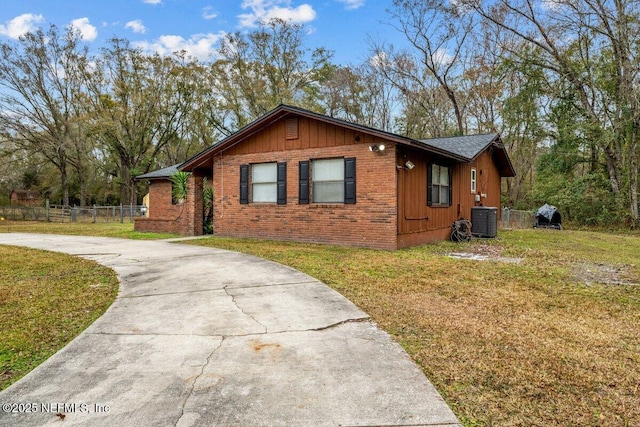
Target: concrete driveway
[(207, 337)]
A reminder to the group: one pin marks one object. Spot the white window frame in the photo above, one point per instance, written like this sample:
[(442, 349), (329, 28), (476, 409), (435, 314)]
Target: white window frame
[(264, 182), (320, 177), (474, 180)]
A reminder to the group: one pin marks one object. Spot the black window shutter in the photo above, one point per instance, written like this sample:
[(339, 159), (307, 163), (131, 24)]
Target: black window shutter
[(303, 186), (244, 184), (450, 186), (350, 180), (429, 184), (282, 183)]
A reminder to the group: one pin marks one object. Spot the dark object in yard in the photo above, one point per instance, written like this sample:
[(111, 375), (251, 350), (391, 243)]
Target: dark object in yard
[(461, 230), (548, 217), (484, 221)]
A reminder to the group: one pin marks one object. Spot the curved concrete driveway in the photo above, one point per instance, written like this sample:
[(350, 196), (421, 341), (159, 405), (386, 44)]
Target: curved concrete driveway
[(203, 337)]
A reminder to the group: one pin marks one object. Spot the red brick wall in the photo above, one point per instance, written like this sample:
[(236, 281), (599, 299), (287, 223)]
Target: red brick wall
[(165, 217), (371, 222)]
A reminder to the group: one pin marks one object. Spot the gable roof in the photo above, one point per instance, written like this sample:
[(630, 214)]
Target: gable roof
[(463, 149), (163, 173), (468, 147), (471, 146)]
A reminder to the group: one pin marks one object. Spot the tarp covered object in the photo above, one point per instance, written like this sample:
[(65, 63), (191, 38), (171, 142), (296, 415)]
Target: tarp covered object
[(548, 216)]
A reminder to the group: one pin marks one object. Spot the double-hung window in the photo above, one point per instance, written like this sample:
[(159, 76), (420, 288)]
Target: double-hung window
[(327, 179), (264, 182), (439, 185), (267, 182)]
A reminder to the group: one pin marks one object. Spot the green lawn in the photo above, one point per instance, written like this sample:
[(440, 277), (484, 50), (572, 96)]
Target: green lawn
[(108, 229), (553, 339), (46, 300)]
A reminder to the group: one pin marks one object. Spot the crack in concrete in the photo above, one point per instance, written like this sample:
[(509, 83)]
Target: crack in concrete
[(233, 300), (195, 291), (194, 382), (269, 285), (223, 336), (342, 322)]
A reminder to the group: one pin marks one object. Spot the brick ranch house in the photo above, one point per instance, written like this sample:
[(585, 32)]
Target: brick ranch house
[(297, 175)]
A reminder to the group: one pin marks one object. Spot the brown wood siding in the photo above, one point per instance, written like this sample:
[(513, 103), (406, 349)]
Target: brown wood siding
[(419, 223), (311, 134)]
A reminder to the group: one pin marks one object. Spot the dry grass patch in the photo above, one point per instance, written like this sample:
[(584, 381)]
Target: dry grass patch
[(505, 344), (46, 299)]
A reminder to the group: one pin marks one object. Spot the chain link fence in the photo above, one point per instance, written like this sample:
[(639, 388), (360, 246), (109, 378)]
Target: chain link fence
[(512, 218)]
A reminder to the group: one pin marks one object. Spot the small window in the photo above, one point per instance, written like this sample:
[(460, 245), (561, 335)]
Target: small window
[(439, 186), (327, 178), (473, 181), (264, 183)]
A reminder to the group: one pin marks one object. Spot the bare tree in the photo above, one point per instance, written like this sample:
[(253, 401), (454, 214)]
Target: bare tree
[(437, 34), (267, 67), (592, 46), (140, 104), (40, 81)]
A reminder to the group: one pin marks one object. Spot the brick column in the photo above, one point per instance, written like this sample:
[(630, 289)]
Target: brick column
[(194, 205)]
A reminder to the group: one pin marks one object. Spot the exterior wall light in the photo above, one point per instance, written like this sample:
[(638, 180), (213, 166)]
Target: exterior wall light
[(376, 147), (409, 165)]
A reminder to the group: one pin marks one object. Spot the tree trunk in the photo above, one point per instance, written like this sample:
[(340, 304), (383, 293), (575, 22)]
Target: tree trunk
[(64, 181), (633, 174)]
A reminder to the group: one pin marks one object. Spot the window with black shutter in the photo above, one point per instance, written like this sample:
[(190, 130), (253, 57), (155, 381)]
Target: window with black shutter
[(350, 180), (282, 184), (328, 181), (244, 184), (303, 182)]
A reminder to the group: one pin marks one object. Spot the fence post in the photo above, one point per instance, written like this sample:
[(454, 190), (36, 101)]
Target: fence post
[(47, 211), (121, 214), (131, 213), (94, 214)]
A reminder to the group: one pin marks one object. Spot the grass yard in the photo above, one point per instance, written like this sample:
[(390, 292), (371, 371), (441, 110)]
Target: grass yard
[(46, 300), (553, 339), (107, 229)]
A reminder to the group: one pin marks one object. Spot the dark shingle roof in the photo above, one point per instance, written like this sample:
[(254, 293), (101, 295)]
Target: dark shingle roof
[(464, 146), (161, 173)]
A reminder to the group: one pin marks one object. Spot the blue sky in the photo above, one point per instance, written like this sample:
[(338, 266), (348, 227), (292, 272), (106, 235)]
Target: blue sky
[(343, 26)]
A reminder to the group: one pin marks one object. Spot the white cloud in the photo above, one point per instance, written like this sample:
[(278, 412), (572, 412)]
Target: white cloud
[(136, 26), (379, 60), (441, 57), (154, 2), (20, 25), (208, 13), (87, 31), (264, 10), (352, 4), (200, 46)]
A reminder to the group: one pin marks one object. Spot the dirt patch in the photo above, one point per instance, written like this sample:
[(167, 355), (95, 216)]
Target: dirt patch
[(607, 274), (484, 253)]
